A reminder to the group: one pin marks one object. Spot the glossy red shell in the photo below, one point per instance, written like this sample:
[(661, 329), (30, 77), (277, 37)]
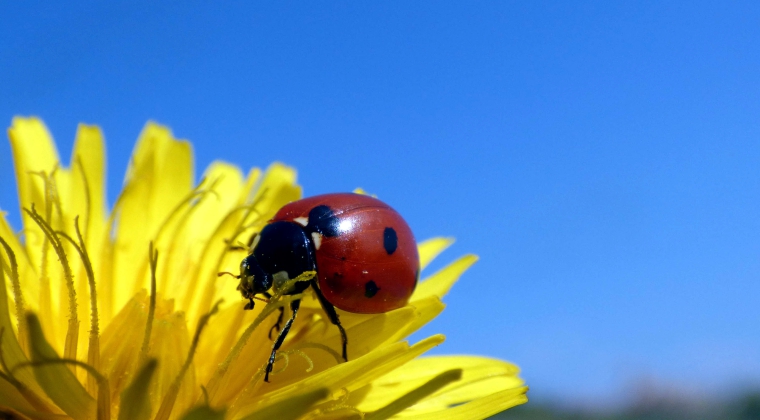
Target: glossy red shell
[(346, 263)]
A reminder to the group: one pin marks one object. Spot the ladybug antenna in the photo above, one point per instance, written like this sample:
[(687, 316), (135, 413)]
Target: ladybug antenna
[(221, 273)]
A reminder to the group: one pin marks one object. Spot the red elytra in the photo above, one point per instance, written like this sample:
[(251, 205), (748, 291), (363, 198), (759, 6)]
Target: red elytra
[(372, 264)]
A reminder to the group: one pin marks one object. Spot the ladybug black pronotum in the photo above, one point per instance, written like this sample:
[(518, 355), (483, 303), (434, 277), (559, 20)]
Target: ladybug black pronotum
[(363, 252)]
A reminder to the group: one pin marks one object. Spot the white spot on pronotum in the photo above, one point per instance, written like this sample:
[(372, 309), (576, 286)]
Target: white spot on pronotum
[(316, 237), (303, 221)]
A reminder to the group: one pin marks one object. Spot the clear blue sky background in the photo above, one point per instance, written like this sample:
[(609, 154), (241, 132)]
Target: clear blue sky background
[(600, 157)]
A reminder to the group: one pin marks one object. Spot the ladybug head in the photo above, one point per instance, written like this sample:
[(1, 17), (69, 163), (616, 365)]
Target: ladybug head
[(253, 279)]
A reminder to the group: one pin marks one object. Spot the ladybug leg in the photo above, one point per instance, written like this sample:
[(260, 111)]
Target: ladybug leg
[(332, 315), (280, 338), (248, 306), (251, 239), (276, 327)]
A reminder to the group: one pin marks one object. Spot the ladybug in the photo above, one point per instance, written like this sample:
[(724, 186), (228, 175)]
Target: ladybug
[(362, 250)]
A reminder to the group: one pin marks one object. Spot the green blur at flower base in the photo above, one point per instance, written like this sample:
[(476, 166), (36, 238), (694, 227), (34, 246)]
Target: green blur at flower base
[(121, 314)]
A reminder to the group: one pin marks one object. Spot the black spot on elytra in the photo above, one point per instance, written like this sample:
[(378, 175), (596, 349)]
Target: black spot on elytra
[(390, 240), (322, 220), (370, 289)]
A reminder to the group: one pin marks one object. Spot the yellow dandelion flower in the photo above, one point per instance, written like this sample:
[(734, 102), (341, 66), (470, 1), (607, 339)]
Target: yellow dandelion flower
[(122, 315)]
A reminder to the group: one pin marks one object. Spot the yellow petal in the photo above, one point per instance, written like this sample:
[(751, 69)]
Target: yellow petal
[(481, 377), (289, 408), (59, 383), (430, 249), (33, 151), (409, 398), (160, 176), (204, 412), (251, 181), (7, 233), (120, 344), (88, 185), (425, 310), (439, 283), (365, 332), (29, 290), (189, 237), (11, 349), (87, 202), (348, 377), (135, 401), (169, 344), (482, 408), (277, 189), (221, 334), (10, 397), (35, 159)]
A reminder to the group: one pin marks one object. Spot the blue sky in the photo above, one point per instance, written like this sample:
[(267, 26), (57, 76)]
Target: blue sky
[(602, 158)]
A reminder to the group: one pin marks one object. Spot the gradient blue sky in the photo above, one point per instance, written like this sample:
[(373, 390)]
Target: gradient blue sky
[(602, 158)]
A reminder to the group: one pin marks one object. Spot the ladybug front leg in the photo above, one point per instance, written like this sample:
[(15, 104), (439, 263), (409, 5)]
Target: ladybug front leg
[(332, 315), (280, 338), (276, 327)]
